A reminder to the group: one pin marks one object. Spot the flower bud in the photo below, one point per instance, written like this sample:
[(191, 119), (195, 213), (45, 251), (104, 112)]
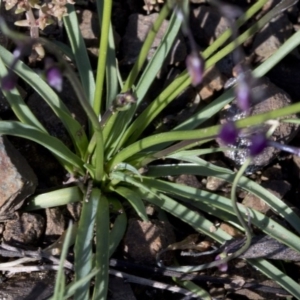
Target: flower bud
[(9, 81), (222, 267), (195, 66), (123, 101), (54, 78), (228, 133), (258, 143), (243, 94), (244, 85)]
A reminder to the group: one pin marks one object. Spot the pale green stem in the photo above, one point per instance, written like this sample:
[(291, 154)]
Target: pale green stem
[(101, 68)]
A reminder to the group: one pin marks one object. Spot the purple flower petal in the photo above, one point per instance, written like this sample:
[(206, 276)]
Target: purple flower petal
[(195, 67), (258, 143), (9, 81), (228, 133), (243, 94), (55, 78)]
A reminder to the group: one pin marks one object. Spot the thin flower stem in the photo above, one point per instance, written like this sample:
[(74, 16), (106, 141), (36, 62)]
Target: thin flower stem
[(237, 211)]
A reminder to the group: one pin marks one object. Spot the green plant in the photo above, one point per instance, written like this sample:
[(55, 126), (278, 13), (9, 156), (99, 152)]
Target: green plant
[(115, 147)]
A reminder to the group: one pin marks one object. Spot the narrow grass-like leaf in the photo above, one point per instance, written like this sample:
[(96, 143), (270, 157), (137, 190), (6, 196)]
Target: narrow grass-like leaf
[(256, 7), (128, 167), (196, 197), (208, 169), (201, 224), (199, 152), (60, 277), (215, 106), (183, 80), (293, 121), (180, 211), (102, 249), (278, 276), (68, 158), (65, 49), (148, 76), (71, 288), (197, 135), (104, 11), (117, 232), (80, 53), (135, 201), (194, 288), (83, 244), (119, 176), (59, 197), (164, 12), (19, 107), (52, 99), (112, 72)]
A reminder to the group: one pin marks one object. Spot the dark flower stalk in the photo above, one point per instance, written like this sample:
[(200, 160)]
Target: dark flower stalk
[(194, 62)]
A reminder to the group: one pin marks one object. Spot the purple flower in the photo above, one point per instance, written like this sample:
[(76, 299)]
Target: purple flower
[(9, 81), (54, 78), (258, 143), (243, 93), (222, 267), (228, 133), (195, 67), (244, 86)]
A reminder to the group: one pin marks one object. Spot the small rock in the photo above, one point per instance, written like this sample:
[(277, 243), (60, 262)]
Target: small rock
[(272, 173), (17, 180), (212, 82), (256, 203), (25, 229), (136, 32), (143, 240), (216, 184), (89, 26), (90, 30), (231, 230), (74, 210), (272, 36), (33, 285), (277, 187), (207, 24), (189, 180), (55, 223), (120, 290), (269, 97)]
